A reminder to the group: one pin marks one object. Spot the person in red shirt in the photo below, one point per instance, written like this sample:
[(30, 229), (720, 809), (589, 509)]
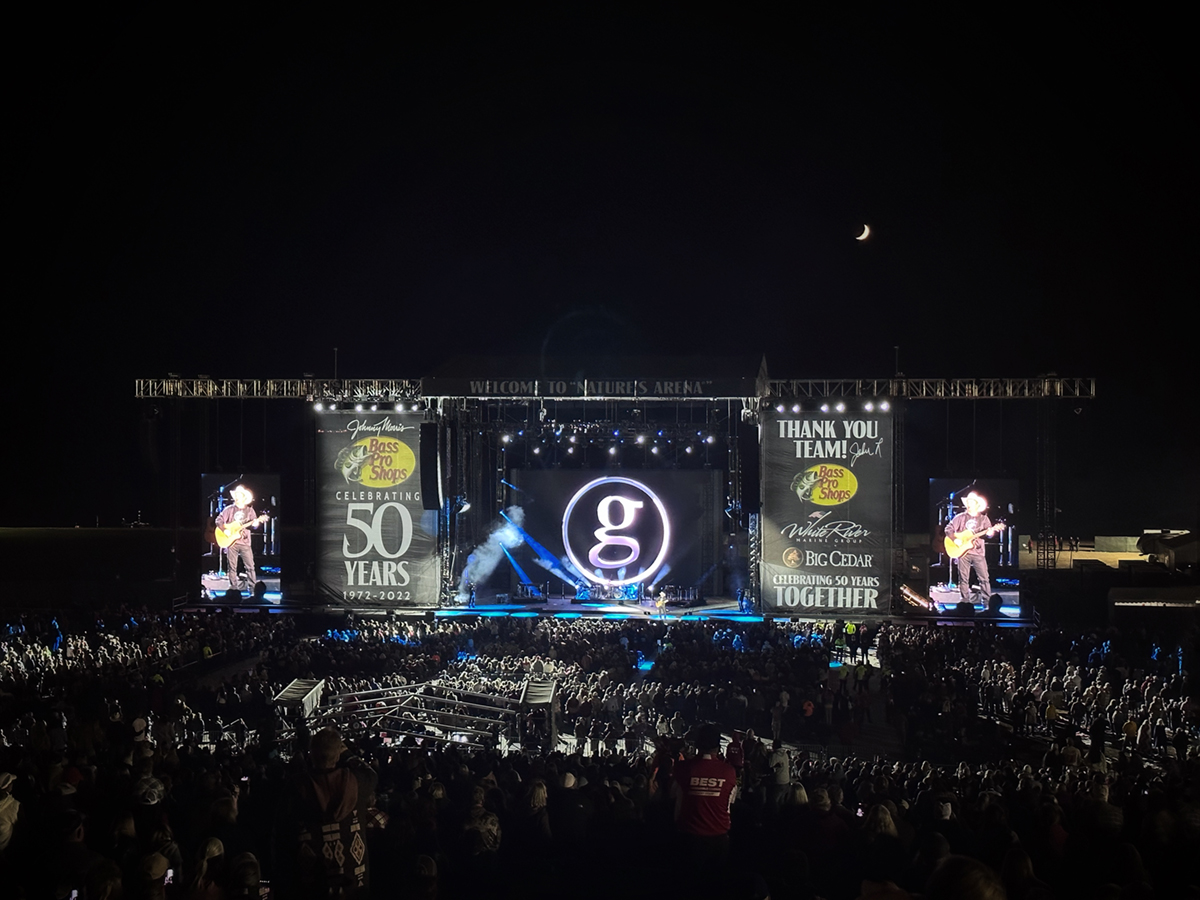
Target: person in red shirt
[(704, 789)]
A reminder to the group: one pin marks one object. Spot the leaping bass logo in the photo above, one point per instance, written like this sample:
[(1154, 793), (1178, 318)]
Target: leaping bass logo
[(616, 531)]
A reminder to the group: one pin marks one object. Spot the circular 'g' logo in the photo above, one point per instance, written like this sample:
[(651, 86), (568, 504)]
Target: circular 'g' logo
[(616, 531)]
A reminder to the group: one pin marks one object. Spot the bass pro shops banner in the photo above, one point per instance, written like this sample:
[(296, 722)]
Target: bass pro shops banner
[(377, 546), (826, 514)]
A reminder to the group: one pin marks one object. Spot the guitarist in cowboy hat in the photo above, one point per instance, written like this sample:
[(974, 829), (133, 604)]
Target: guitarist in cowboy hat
[(974, 523), (235, 522)]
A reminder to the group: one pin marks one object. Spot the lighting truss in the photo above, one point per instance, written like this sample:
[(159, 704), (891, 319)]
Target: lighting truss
[(328, 390), (937, 388)]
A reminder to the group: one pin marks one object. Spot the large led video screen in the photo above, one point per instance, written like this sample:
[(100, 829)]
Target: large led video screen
[(626, 532), (241, 538)]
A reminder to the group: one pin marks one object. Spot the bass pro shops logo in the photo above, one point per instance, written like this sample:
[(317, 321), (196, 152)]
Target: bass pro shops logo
[(376, 462), (825, 485), (616, 531)]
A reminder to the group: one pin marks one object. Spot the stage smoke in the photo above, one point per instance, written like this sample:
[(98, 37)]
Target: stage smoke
[(662, 576), (554, 569), (505, 534)]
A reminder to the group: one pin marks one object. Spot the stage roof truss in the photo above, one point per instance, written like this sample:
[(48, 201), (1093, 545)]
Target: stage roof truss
[(937, 388), (385, 390), (311, 390)]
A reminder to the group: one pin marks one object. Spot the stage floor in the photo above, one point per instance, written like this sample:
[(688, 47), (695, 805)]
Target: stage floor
[(565, 607), (946, 598)]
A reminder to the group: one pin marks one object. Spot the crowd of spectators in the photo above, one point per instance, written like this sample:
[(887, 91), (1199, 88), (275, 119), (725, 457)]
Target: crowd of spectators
[(140, 756)]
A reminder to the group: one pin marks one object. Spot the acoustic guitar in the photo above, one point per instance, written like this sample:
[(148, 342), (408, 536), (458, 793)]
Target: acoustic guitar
[(959, 544), (230, 533)]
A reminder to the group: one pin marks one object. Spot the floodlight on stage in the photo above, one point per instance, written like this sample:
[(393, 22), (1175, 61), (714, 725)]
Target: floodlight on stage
[(795, 407), (537, 451), (358, 407), (824, 407), (869, 406), (399, 407), (506, 438), (612, 451), (709, 439), (641, 439), (841, 407), (654, 449), (374, 407), (779, 408), (687, 449), (884, 406), (318, 406)]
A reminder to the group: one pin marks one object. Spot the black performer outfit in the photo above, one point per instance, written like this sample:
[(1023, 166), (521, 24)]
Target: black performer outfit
[(241, 548), (975, 558)]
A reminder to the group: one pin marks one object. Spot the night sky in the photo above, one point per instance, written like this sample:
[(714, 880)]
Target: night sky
[(236, 196)]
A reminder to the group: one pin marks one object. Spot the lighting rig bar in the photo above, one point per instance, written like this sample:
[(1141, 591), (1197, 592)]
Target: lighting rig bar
[(937, 388), (608, 430), (343, 390), (392, 390)]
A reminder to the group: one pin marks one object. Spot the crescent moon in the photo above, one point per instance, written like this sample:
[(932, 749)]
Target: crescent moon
[(866, 233)]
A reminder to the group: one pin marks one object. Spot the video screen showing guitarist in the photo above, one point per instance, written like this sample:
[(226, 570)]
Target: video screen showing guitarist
[(964, 535), (233, 524)]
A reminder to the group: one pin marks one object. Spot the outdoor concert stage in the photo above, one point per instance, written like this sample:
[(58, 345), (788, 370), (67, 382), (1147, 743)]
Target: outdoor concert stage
[(512, 476)]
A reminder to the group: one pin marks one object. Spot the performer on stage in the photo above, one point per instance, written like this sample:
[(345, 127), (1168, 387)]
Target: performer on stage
[(235, 522), (973, 522)]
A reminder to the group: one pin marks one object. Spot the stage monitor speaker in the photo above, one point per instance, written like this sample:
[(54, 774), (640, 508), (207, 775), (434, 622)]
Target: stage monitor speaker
[(431, 482)]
